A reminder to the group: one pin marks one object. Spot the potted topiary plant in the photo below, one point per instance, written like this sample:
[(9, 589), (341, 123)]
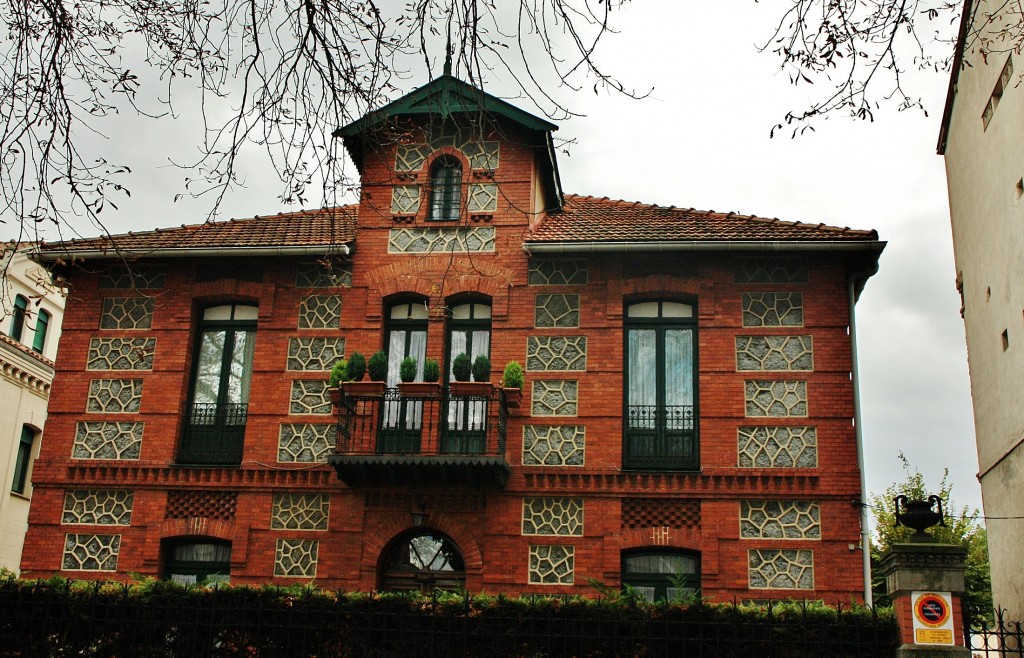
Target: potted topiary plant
[(410, 388), (357, 365), (338, 375), (512, 384), (377, 366), (462, 368)]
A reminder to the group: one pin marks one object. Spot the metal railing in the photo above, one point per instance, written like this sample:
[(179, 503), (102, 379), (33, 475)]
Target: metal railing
[(1003, 639), (214, 434), (660, 437), (421, 424)]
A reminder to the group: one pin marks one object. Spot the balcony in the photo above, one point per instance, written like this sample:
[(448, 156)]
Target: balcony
[(440, 440), (660, 437), (214, 434)]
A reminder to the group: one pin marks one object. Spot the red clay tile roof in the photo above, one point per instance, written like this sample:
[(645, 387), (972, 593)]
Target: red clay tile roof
[(584, 219), (304, 228), (589, 219)]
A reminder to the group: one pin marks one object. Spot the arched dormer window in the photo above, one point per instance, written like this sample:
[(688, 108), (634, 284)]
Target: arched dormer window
[(445, 189), (18, 317), (42, 323)]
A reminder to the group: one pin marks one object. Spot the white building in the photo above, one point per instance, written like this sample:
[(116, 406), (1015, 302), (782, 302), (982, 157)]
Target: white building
[(30, 315), (982, 139)]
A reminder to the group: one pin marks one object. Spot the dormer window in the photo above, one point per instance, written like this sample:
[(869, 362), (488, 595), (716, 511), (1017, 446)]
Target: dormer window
[(445, 189)]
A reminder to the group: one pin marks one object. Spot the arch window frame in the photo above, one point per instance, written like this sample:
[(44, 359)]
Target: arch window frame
[(402, 568), (222, 367), (660, 385), (660, 584), (18, 316), (445, 189)]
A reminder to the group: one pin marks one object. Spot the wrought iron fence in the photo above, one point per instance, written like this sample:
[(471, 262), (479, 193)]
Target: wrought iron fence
[(1002, 639), (214, 434), (660, 436), (438, 423), (173, 622)]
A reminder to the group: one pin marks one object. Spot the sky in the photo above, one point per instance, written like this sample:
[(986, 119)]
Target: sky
[(701, 139)]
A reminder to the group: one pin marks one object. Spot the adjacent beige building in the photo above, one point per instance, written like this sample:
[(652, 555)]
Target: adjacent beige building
[(30, 315), (982, 139)]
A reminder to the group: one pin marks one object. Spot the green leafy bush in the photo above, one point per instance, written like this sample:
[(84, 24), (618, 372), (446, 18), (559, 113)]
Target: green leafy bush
[(462, 367), (513, 375), (482, 369), (378, 366), (407, 369), (431, 370), (339, 373), (356, 367)]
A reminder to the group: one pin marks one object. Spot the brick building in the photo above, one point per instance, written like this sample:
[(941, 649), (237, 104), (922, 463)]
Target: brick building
[(687, 411)]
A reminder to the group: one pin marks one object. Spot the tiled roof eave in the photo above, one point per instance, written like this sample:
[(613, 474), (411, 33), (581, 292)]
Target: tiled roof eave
[(66, 249), (592, 246)]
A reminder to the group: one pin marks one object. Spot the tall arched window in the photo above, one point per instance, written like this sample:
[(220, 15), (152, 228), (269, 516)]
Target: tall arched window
[(660, 575), (445, 188), (469, 331), (42, 323), (661, 386), (18, 317), (220, 386)]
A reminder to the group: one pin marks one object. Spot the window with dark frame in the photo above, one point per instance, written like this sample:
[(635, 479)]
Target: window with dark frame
[(23, 461), (198, 562), (406, 336), (18, 317), (469, 332), (660, 575), (660, 426), (42, 324), (222, 374), (445, 189)]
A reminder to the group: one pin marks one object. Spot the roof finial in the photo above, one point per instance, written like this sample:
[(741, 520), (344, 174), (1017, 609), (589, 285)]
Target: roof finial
[(448, 55)]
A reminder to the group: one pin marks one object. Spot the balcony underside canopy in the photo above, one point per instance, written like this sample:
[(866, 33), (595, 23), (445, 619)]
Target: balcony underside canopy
[(485, 471)]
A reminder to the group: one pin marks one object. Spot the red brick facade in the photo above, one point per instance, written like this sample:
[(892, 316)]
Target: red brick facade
[(697, 511)]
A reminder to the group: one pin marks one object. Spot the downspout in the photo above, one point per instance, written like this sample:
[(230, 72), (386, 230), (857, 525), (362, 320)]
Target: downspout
[(865, 531)]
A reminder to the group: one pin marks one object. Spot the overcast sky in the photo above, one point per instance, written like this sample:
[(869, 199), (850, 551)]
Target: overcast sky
[(702, 140)]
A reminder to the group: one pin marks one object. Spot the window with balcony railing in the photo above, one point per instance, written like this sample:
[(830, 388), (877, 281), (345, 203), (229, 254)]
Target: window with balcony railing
[(660, 417), (218, 407)]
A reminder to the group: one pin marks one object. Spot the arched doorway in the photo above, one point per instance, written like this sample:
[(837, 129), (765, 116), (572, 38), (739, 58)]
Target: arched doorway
[(197, 561), (422, 560)]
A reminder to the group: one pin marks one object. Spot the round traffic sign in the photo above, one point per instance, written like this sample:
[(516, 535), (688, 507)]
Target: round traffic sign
[(931, 609)]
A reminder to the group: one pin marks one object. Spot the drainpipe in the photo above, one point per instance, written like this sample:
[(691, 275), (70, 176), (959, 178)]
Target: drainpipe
[(865, 532)]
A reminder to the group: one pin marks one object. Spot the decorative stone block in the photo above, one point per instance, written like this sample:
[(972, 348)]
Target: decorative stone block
[(190, 504), (410, 157), (556, 353), (314, 354), (557, 272), (777, 447), (552, 565), (660, 513), (556, 311), (555, 398), (562, 517), (324, 275), (107, 441), (296, 558), (417, 240), (780, 519), (306, 443), (320, 312), (554, 445), (774, 353), (772, 269), (295, 511), (482, 197), (129, 277), (405, 199), (98, 507), (85, 552), (309, 396), (127, 313), (114, 396), (121, 354), (773, 309), (773, 568), (776, 399)]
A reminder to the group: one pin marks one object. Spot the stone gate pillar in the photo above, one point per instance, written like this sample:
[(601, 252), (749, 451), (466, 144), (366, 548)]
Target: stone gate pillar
[(926, 581)]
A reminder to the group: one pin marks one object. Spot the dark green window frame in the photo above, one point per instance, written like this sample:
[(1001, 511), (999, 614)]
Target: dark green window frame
[(469, 331), (198, 561), (219, 392), (406, 336), (445, 189), (42, 324), (24, 459), (660, 391), (18, 317)]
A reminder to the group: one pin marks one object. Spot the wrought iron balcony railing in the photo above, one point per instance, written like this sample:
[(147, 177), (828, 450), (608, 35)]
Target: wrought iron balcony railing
[(214, 434), (660, 437), (447, 434)]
